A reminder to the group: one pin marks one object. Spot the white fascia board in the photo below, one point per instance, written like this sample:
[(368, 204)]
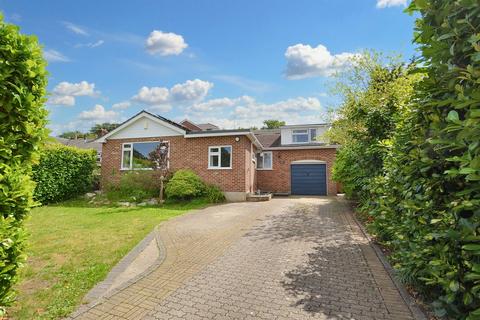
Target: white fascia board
[(249, 134), (142, 114), (216, 134), (306, 126), (331, 146)]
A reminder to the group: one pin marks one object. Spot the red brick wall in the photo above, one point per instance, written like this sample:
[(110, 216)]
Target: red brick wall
[(278, 179), (189, 153), (250, 169)]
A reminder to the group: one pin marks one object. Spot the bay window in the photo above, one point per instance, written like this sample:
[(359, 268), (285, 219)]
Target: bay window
[(220, 157)]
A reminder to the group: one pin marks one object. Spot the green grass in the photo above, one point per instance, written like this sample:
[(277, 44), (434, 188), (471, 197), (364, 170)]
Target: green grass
[(73, 246)]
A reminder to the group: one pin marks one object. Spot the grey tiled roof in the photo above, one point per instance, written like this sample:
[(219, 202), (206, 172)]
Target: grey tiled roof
[(80, 143), (268, 137), (207, 126)]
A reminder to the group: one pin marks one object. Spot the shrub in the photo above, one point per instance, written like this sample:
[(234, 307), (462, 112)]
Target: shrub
[(431, 198), (63, 173), (425, 202), (185, 184), (22, 129), (135, 186), (375, 91), (214, 194)]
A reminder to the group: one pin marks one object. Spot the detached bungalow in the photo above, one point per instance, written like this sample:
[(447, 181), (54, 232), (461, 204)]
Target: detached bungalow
[(289, 160)]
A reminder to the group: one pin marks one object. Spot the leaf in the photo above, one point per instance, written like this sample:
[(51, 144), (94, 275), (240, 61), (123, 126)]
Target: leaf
[(453, 116), (471, 247), (421, 4), (454, 286)]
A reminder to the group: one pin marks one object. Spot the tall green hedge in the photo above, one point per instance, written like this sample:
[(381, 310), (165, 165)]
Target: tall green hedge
[(63, 172), (22, 128), (431, 206), (425, 206)]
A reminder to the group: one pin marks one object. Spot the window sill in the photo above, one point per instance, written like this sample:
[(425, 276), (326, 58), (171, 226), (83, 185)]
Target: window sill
[(264, 169), (216, 168), (136, 169)]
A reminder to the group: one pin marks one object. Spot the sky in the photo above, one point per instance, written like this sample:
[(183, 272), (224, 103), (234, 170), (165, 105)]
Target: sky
[(231, 63)]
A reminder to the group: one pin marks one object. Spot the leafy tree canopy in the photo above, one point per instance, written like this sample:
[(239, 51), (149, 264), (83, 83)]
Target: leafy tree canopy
[(272, 124)]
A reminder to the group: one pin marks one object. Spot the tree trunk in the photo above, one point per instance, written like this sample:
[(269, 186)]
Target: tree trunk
[(161, 189)]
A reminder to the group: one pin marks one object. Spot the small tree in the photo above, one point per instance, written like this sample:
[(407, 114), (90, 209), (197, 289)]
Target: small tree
[(160, 158), (103, 128), (273, 124), (73, 135), (22, 130)]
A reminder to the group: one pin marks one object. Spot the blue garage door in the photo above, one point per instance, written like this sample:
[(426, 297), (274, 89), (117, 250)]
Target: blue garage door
[(309, 179)]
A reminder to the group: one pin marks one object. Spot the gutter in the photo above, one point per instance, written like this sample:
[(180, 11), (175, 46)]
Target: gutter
[(331, 146)]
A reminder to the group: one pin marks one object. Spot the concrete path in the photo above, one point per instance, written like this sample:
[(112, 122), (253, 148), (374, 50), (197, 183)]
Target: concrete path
[(289, 258)]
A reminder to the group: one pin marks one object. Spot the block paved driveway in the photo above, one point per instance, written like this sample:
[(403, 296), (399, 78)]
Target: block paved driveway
[(289, 258)]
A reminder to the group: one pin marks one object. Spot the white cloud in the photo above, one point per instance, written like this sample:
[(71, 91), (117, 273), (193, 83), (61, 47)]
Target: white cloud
[(217, 104), (245, 111), (62, 101), (65, 92), (190, 91), (90, 44), (121, 105), (75, 28), (303, 61), (152, 96), (98, 115), (165, 43), (82, 88), (54, 56), (391, 3)]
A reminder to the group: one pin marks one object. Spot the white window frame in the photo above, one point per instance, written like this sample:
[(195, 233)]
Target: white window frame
[(309, 135), (131, 155), (307, 132), (263, 161), (219, 153)]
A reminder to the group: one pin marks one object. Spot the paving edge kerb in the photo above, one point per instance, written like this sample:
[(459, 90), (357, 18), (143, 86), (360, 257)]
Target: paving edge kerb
[(101, 291), (409, 301)]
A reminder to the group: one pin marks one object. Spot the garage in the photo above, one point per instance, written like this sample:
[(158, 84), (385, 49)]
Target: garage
[(309, 179)]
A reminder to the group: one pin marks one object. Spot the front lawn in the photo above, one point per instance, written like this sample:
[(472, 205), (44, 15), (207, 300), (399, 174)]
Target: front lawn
[(72, 247)]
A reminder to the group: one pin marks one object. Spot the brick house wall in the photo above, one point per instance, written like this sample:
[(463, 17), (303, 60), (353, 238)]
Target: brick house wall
[(278, 179), (191, 153)]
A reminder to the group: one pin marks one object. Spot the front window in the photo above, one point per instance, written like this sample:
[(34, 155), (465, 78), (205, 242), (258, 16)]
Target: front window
[(264, 160), (299, 136), (220, 157), (313, 135), (139, 155)]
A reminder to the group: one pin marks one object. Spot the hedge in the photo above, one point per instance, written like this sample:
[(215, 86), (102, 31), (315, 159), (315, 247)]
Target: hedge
[(63, 172), (22, 129), (424, 203)]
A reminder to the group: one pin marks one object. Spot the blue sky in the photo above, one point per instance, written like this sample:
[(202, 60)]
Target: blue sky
[(233, 63)]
